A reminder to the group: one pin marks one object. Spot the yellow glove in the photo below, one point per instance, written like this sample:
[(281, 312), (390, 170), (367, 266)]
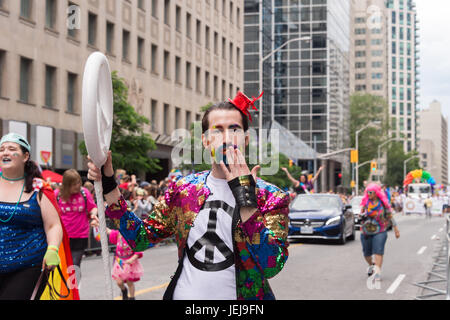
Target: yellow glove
[(51, 257)]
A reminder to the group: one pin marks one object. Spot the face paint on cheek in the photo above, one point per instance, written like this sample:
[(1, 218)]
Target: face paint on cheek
[(15, 155)]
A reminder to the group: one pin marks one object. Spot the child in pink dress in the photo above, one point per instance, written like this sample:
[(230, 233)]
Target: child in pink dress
[(126, 269)]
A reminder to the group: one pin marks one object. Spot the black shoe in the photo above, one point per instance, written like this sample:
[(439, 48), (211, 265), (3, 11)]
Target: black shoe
[(132, 298), (125, 294)]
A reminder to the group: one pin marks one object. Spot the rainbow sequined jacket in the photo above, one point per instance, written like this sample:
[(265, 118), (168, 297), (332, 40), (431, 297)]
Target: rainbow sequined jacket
[(260, 243)]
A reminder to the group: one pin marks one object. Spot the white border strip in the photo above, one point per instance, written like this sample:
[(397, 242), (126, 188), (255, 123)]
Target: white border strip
[(395, 284), (422, 250)]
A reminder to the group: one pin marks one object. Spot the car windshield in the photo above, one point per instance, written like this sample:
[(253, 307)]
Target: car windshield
[(419, 189), (315, 203)]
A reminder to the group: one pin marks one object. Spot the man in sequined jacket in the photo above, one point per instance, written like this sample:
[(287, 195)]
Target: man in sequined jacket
[(230, 226)]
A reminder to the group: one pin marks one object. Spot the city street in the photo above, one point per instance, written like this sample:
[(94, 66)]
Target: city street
[(315, 270)]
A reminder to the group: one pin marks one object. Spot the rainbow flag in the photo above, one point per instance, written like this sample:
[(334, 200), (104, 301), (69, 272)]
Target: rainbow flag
[(66, 284)]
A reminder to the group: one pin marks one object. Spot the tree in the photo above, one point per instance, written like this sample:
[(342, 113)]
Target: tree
[(366, 108), (129, 144)]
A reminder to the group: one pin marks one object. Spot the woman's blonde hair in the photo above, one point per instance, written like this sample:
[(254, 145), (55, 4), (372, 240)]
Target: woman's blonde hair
[(70, 178)]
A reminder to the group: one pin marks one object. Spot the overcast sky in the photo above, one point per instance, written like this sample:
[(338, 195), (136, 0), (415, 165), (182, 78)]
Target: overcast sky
[(434, 16)]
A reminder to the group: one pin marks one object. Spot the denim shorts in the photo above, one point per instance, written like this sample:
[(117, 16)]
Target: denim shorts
[(373, 244)]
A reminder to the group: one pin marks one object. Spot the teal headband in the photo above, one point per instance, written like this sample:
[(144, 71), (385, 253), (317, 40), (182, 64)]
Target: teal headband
[(16, 138)]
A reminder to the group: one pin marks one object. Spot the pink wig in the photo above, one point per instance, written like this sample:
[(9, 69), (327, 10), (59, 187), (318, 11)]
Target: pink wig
[(380, 194)]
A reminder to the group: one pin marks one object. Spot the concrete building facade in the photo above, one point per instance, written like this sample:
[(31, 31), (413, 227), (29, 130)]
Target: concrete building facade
[(174, 55), (433, 137), (385, 53)]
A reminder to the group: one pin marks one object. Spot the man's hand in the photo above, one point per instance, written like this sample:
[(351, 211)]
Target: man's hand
[(95, 173)]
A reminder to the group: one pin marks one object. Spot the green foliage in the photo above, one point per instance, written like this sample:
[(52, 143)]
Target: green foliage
[(280, 179), (129, 144), (366, 108), (395, 159)]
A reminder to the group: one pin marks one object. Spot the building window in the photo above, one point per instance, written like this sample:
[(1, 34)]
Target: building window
[(231, 53), (216, 43), (167, 12), (71, 91), (155, 8), (178, 70), (50, 13), (178, 18), (166, 65), (154, 59), (73, 19), (216, 88), (110, 37), (198, 32), (188, 120), (154, 116), (141, 4), (50, 86), (207, 83), (26, 7), (177, 117), (198, 80), (188, 25), (224, 45), (92, 29), (25, 79), (188, 75), (140, 53), (207, 38), (126, 45), (166, 119)]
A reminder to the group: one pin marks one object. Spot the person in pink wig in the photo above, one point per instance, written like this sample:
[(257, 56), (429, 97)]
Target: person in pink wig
[(377, 214)]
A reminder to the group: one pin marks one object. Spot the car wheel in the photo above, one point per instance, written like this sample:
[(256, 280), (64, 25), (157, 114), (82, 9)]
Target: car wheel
[(343, 238)]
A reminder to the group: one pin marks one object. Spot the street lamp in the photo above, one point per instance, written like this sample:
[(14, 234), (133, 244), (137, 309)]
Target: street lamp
[(404, 164), (261, 62), (376, 123), (383, 144)]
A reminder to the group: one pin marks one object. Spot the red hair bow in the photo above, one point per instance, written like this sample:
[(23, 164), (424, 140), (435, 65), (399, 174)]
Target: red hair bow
[(243, 103)]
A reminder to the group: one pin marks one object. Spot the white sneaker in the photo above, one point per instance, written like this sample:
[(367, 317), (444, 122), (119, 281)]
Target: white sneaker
[(377, 276)]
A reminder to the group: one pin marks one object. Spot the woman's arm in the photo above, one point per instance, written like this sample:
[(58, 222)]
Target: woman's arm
[(317, 174), (53, 231), (294, 181)]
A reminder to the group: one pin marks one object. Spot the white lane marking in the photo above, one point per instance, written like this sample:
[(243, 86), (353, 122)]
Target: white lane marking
[(433, 237), (395, 284), (422, 250), (441, 229)]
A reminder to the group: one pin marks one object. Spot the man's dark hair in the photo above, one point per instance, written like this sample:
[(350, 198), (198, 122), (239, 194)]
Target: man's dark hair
[(225, 105)]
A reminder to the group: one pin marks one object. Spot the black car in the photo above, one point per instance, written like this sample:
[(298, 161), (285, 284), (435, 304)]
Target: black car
[(321, 216)]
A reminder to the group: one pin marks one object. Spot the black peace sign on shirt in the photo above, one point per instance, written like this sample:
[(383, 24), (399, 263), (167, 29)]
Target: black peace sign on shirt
[(211, 240)]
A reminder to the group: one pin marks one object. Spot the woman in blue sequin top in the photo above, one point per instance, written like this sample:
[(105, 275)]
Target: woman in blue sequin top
[(30, 229)]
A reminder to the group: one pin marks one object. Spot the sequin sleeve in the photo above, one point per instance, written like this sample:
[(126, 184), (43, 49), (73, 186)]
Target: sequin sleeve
[(142, 234), (267, 230)]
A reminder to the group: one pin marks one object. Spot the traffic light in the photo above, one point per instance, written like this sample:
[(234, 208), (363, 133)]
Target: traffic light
[(291, 163), (373, 166), (338, 177)]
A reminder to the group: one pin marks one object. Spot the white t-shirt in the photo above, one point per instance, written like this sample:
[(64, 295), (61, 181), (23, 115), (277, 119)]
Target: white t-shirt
[(208, 268)]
